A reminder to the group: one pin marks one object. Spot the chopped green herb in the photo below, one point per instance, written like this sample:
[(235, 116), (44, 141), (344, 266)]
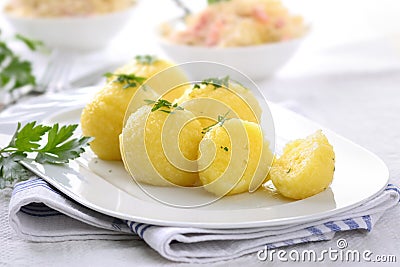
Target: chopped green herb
[(220, 121), (177, 107), (196, 86), (226, 148), (130, 80), (108, 74), (162, 103), (217, 82), (59, 148), (146, 59), (165, 111), (290, 169)]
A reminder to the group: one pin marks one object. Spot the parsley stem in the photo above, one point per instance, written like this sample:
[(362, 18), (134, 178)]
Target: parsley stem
[(4, 150)]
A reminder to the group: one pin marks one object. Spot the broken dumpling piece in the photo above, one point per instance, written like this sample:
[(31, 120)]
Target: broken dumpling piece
[(305, 168)]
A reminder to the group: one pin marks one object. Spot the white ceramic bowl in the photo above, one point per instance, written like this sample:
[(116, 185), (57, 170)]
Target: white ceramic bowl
[(78, 33), (258, 62)]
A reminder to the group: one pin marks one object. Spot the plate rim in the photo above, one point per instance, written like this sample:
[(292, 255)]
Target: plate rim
[(209, 225)]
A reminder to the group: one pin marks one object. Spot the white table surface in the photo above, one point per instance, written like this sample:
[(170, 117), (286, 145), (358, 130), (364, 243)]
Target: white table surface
[(346, 76)]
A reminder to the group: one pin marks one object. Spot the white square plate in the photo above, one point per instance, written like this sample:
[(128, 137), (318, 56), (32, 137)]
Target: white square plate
[(107, 188)]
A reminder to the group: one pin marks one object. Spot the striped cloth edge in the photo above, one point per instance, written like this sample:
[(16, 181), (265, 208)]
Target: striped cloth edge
[(193, 236)]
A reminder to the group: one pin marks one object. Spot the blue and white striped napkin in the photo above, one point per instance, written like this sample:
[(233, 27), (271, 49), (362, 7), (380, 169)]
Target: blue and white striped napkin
[(38, 212)]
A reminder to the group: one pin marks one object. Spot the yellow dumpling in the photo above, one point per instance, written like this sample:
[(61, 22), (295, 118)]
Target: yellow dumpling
[(234, 158), (148, 66), (160, 147), (305, 168), (103, 117), (207, 99), (144, 66)]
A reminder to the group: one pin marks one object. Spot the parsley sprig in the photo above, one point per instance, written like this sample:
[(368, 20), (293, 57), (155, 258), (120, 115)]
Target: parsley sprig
[(27, 143), (220, 121), (15, 72), (130, 80), (163, 105), (216, 82), (146, 59), (30, 43)]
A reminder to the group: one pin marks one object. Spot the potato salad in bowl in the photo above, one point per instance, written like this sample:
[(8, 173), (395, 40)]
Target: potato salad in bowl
[(64, 8), (257, 37), (238, 23), (69, 24)]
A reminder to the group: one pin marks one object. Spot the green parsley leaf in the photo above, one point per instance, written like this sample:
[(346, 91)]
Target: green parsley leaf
[(30, 43), (5, 52), (162, 103), (130, 80), (57, 136), (146, 59), (62, 153), (26, 139), (11, 171), (217, 82), (14, 72), (22, 72), (59, 148), (108, 74)]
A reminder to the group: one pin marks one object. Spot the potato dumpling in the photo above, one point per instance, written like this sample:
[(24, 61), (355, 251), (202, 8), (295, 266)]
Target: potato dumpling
[(305, 168), (242, 158), (144, 66), (240, 101), (103, 117), (159, 146), (148, 66)]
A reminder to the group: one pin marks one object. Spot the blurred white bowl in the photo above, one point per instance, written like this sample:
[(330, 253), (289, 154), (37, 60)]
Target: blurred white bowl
[(78, 33), (258, 62)]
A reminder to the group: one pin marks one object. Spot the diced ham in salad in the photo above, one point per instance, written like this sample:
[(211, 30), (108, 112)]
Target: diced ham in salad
[(239, 23)]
